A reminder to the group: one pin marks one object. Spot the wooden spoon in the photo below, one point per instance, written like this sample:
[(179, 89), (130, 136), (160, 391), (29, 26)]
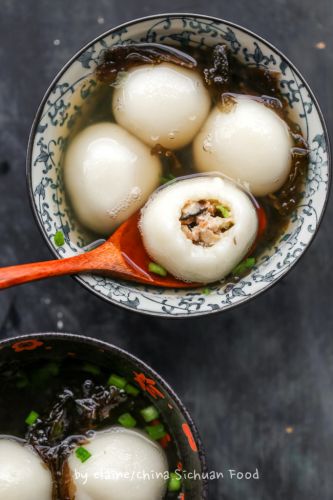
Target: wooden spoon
[(122, 256)]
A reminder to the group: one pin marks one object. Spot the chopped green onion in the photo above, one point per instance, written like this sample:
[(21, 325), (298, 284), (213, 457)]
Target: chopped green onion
[(156, 432), (93, 369), (157, 269), (175, 482), (59, 238), (167, 178), (130, 389), (224, 211), (117, 381), (206, 291), (126, 420), (31, 418), (82, 454), (149, 413), (243, 266), (43, 374)]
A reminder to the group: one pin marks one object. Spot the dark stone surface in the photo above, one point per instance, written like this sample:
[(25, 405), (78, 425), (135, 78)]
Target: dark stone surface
[(249, 375)]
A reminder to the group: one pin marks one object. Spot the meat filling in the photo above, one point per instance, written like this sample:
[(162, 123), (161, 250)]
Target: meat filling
[(204, 221)]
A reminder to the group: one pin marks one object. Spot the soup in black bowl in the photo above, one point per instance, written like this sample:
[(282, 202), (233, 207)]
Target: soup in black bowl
[(84, 420)]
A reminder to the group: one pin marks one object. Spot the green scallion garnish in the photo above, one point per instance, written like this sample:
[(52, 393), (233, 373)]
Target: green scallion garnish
[(244, 266), (156, 432), (59, 238), (130, 389), (149, 413), (157, 269), (93, 369), (117, 381), (206, 291), (82, 454), (167, 178), (175, 482), (126, 420), (31, 418), (224, 211), (42, 375)]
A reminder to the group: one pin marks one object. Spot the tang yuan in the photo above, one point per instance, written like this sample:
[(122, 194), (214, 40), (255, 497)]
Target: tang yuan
[(124, 464), (159, 112), (248, 142), (199, 228), (109, 174), (162, 103), (83, 431), (23, 475)]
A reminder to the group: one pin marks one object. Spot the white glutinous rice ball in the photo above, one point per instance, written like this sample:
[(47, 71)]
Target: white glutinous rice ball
[(109, 174), (23, 475), (162, 103), (248, 142), (115, 470), (199, 228)]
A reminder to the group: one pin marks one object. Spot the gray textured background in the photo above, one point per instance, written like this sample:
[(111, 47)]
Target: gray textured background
[(248, 376)]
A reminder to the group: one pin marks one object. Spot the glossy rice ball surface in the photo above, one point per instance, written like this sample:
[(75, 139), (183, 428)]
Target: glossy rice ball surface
[(23, 475), (248, 142), (109, 174), (115, 470), (162, 103), (167, 244)]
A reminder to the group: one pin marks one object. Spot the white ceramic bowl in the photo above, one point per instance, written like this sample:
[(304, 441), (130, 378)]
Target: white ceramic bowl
[(57, 115)]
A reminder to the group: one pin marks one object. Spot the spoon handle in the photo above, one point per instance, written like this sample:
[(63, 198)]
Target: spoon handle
[(16, 275)]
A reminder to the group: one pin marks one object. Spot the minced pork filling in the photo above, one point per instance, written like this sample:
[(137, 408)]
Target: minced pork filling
[(204, 221)]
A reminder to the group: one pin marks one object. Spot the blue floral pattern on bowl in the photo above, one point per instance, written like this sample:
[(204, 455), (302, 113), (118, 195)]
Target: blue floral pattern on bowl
[(64, 103)]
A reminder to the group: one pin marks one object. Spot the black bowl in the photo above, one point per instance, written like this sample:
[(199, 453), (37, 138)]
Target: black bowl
[(16, 353)]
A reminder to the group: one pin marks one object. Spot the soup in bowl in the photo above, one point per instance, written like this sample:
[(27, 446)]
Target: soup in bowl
[(82, 419), (208, 134)]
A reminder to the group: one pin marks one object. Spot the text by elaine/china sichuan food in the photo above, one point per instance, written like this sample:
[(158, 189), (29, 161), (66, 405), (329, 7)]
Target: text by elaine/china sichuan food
[(73, 431), (203, 145)]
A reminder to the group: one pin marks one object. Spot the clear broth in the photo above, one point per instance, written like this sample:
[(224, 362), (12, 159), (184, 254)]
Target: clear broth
[(40, 387), (225, 77)]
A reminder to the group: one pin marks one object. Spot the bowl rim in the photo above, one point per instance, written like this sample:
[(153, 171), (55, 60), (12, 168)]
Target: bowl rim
[(68, 64), (142, 365)]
